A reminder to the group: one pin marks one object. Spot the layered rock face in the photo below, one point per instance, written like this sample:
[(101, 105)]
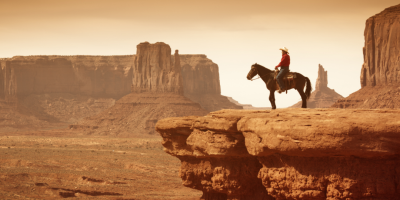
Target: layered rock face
[(157, 93), (154, 70), (380, 76), (115, 76), (84, 85), (322, 80), (287, 153), (382, 49), (322, 96), (201, 83), (200, 75), (100, 76)]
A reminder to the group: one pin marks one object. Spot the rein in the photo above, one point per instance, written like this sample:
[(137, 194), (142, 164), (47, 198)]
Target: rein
[(258, 76)]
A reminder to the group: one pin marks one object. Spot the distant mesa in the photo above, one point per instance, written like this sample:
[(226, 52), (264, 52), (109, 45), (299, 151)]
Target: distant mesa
[(157, 93), (322, 96), (201, 83), (380, 77), (66, 89)]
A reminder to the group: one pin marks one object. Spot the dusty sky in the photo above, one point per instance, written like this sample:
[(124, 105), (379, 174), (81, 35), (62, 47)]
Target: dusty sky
[(232, 33)]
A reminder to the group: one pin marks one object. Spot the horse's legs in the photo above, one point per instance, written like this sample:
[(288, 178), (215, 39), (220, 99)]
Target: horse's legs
[(272, 98), (303, 98)]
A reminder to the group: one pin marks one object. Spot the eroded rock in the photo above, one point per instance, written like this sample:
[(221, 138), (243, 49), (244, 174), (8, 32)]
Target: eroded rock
[(304, 153), (201, 83), (382, 49), (322, 96), (155, 71), (380, 77)]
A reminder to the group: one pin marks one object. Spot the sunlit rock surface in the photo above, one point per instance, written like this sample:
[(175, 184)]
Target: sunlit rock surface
[(288, 153), (382, 49), (380, 76), (201, 83), (155, 71)]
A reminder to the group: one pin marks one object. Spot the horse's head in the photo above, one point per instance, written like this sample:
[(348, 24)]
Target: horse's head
[(253, 72)]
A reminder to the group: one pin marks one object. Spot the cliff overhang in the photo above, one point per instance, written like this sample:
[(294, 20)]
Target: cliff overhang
[(287, 153)]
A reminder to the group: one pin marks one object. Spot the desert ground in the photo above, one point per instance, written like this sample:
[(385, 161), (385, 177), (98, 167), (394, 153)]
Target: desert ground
[(58, 163)]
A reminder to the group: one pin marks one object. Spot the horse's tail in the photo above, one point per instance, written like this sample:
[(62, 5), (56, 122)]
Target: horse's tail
[(308, 88)]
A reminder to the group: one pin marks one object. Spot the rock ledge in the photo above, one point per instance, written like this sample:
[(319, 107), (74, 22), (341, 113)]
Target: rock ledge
[(288, 153)]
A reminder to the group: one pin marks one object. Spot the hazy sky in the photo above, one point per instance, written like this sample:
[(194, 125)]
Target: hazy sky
[(234, 34)]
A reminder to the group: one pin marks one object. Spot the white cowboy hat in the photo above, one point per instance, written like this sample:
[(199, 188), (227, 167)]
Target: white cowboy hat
[(284, 49)]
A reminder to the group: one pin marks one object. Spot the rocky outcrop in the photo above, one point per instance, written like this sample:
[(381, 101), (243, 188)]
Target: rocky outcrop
[(380, 77), (322, 80), (157, 93), (287, 153), (155, 71), (322, 96), (382, 49), (201, 83), (200, 75)]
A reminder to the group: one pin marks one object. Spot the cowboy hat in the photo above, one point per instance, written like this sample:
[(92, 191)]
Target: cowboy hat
[(284, 49)]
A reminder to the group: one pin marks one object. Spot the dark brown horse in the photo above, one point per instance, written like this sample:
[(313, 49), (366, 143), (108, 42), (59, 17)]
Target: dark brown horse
[(268, 77)]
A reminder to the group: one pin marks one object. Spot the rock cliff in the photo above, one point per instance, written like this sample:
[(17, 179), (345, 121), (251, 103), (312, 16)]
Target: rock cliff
[(380, 77), (157, 93), (200, 75), (287, 153), (382, 49), (201, 83), (98, 76), (84, 85), (115, 76), (322, 96), (155, 71)]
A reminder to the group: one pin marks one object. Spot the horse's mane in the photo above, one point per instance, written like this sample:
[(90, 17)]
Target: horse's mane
[(262, 67)]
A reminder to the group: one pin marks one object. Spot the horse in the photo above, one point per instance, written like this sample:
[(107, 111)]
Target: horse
[(268, 77)]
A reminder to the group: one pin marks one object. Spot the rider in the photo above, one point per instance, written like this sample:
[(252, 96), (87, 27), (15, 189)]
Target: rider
[(284, 64)]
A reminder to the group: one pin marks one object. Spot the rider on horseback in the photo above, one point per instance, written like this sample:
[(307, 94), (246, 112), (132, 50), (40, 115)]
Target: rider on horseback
[(284, 64)]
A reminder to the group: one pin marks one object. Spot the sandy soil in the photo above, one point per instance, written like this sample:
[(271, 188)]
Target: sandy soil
[(56, 164)]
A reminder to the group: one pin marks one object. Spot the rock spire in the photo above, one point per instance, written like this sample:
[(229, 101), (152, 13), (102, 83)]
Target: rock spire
[(154, 70), (322, 96)]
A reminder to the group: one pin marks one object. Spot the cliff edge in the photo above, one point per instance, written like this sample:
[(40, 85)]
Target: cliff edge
[(287, 153)]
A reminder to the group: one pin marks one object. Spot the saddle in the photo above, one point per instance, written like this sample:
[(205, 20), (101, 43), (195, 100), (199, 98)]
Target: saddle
[(289, 79)]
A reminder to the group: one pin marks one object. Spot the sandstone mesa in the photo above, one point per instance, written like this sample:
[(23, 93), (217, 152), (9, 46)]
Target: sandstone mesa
[(380, 71)]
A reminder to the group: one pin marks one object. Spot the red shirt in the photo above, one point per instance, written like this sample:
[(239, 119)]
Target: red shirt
[(285, 62)]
